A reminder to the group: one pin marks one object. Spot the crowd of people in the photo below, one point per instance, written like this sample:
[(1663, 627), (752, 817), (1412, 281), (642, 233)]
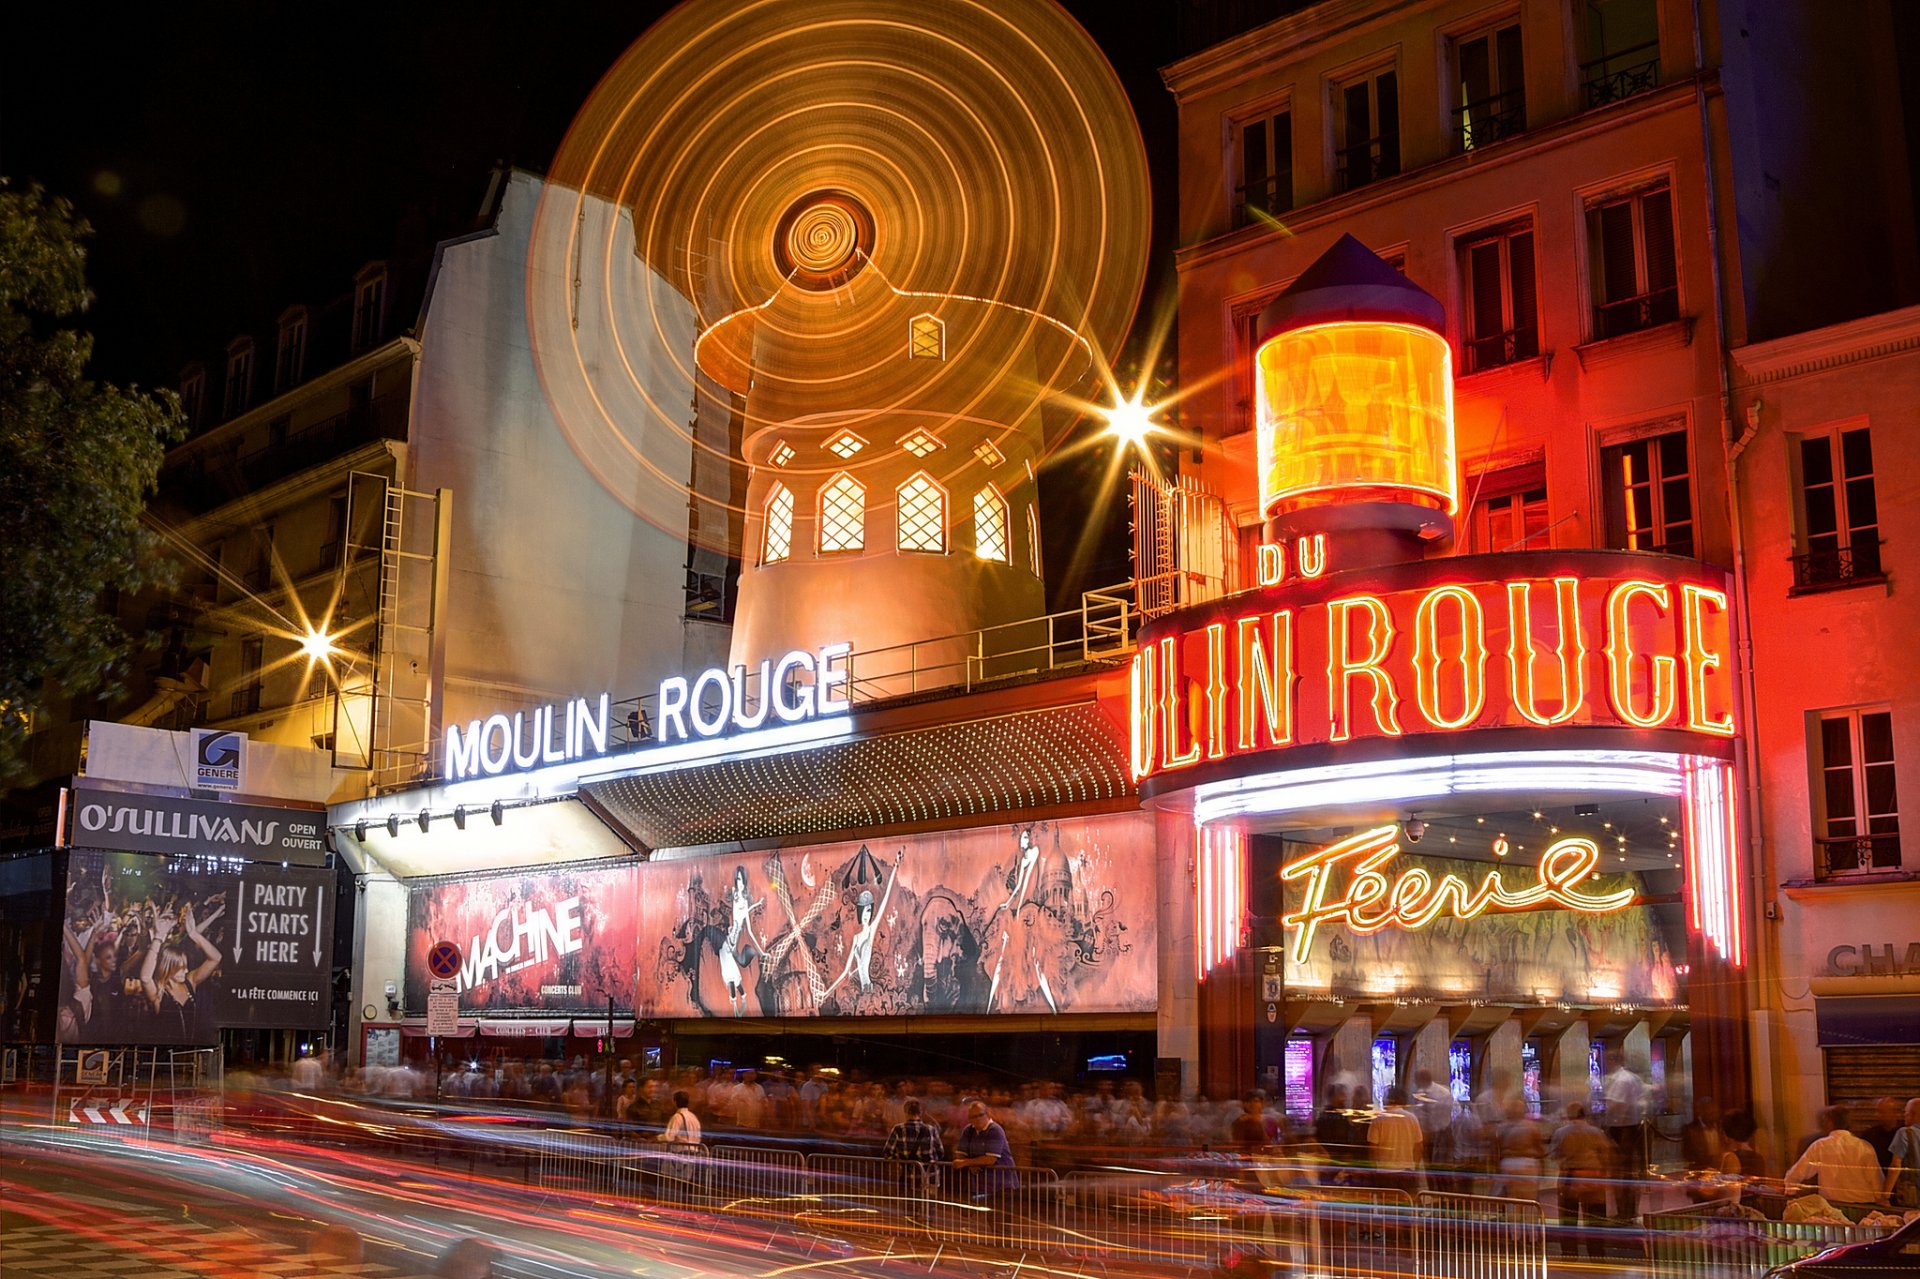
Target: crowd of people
[(1588, 1160)]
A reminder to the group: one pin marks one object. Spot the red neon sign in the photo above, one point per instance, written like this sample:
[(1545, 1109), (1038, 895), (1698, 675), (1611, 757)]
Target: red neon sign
[(1552, 640)]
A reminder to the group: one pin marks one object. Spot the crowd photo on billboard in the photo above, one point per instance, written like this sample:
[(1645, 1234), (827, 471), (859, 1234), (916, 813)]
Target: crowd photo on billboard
[(170, 950)]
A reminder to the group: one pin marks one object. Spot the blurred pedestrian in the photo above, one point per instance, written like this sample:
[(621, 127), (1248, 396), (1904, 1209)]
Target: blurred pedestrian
[(683, 1126), (1433, 1107), (1903, 1164), (1626, 1100), (1249, 1131), (1880, 1133), (1333, 1127), (1520, 1153), (1583, 1154), (1395, 1140)]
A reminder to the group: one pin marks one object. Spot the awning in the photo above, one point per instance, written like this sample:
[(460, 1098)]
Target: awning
[(587, 1028), (418, 1030), (1867, 1019)]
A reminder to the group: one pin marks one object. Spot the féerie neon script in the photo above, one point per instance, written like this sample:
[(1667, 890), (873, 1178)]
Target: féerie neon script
[(1415, 899)]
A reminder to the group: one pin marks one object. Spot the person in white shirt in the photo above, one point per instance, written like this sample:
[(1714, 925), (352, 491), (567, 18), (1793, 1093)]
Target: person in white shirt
[(1395, 1140), (683, 1129), (1433, 1107), (1626, 1100), (1844, 1167)]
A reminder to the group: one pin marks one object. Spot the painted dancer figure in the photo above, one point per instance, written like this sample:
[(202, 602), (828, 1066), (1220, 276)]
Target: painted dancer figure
[(733, 954), (860, 952), (1019, 884)]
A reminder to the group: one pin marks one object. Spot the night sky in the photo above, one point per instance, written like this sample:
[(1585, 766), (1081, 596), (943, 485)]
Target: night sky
[(234, 161)]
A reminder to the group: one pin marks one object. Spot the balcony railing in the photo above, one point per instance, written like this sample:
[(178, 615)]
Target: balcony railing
[(1622, 74), (1483, 123), (1368, 161), (246, 701), (1855, 855), (1630, 315), (201, 479), (1502, 348), (1263, 198), (1837, 566)]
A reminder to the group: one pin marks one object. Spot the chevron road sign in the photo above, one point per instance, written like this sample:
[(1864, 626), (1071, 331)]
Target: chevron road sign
[(125, 1111)]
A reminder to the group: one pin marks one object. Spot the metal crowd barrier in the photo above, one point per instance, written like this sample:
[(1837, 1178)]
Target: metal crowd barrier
[(867, 1194), (1710, 1240), (1011, 1208), (756, 1174), (1478, 1237)]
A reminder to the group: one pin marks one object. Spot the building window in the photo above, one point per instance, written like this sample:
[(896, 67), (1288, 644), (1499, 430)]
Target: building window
[(193, 394), (920, 443), (1839, 516), (990, 541), (843, 515), (290, 354), (1503, 315), (844, 445), (1622, 49), (246, 695), (239, 377), (926, 338), (260, 568), (1509, 510), (1366, 124), (781, 453), (989, 454), (1263, 186), (1630, 252), (1649, 494), (369, 306), (1489, 91), (922, 515), (776, 542), (1858, 803), (1033, 539)]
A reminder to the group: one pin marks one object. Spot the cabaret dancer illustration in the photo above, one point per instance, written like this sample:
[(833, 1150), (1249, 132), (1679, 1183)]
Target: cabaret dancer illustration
[(860, 952), (1020, 882), (732, 953)]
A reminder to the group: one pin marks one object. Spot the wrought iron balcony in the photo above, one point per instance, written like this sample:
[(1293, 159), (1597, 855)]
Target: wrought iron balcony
[(1621, 75), (1263, 198), (1502, 348), (1368, 161), (246, 701), (1642, 311), (1483, 123), (1855, 855), (1837, 566)]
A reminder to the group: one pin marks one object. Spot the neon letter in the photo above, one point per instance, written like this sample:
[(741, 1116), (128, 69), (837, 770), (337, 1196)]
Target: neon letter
[(1703, 661), (673, 707), (1266, 677), (1170, 680), (1310, 553), (1660, 675), (1343, 667), (1472, 657), (1521, 654), (1216, 691), (1143, 723), (1271, 561)]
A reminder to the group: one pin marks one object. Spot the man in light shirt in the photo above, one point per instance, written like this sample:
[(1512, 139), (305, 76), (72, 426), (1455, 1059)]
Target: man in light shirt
[(1841, 1165), (1395, 1139), (1626, 1098)]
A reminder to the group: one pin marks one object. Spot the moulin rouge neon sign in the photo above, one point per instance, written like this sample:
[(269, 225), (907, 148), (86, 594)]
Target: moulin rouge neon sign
[(1415, 898), (1529, 640)]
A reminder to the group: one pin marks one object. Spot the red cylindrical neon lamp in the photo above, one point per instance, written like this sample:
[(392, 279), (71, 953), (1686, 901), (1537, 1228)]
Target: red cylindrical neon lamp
[(1353, 386)]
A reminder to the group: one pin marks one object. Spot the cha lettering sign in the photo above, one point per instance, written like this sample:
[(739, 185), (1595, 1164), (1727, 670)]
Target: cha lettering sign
[(798, 687), (1520, 643)]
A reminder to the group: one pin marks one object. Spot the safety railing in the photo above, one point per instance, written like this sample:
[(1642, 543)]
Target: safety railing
[(1476, 1237), (1719, 1239), (756, 1174)]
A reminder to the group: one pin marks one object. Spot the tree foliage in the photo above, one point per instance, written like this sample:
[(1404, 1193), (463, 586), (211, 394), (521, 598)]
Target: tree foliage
[(77, 461)]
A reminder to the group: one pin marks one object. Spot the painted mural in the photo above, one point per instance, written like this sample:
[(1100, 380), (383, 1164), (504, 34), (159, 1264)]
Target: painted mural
[(1034, 918), (1622, 956), (553, 940)]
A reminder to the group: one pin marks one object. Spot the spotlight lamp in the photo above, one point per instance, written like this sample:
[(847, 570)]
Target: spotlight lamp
[(423, 819), (360, 831), (499, 812), (393, 825), (459, 816)]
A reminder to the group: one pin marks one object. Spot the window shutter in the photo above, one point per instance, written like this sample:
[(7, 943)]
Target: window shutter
[(1526, 307), (1656, 216), (1485, 293)]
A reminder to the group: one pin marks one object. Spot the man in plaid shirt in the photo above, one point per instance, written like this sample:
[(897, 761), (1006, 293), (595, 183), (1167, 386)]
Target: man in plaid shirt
[(914, 1140)]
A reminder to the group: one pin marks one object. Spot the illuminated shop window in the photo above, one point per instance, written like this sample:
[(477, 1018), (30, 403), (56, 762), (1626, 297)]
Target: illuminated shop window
[(1298, 1079), (1530, 1075), (1386, 1067), (777, 543), (843, 515), (1858, 805), (990, 456), (1460, 1071), (845, 445), (1840, 515), (781, 453), (990, 526), (923, 515), (920, 443), (1033, 538), (926, 338), (1649, 494), (1630, 251)]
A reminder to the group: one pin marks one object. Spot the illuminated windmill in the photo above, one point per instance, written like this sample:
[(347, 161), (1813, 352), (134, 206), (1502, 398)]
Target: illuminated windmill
[(1354, 397), (904, 228)]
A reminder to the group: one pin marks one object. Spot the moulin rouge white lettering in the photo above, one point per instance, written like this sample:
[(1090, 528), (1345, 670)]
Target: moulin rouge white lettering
[(1416, 898), (521, 936)]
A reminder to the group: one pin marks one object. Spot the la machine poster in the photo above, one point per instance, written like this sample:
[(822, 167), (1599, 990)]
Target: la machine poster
[(553, 940)]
